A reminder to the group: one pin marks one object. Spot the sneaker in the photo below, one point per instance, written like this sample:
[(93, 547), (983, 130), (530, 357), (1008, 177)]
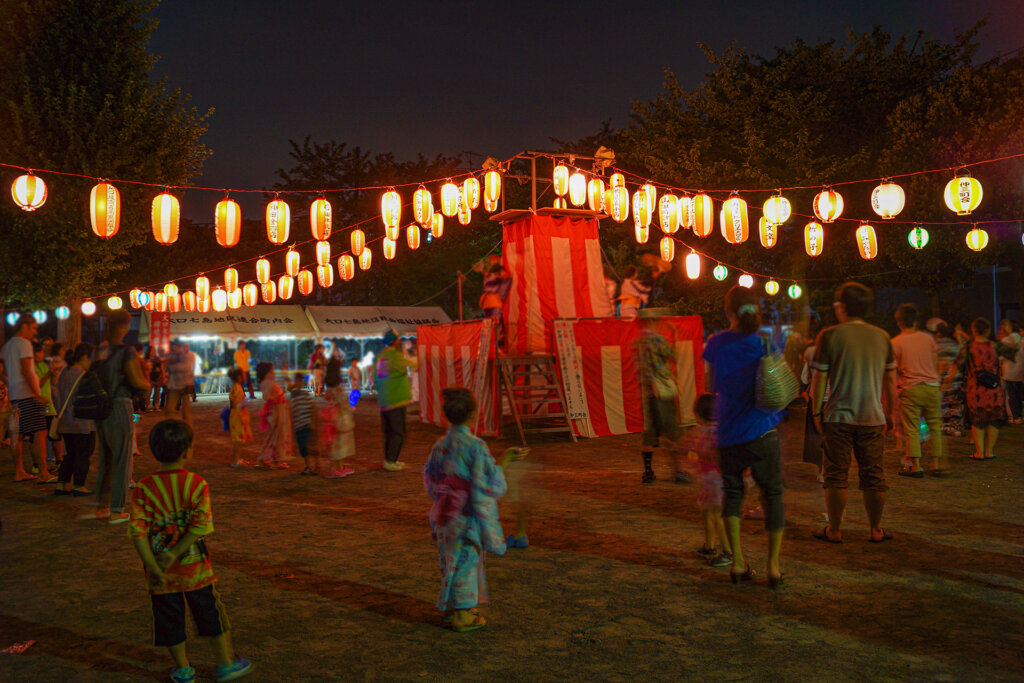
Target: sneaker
[(513, 542), (394, 466), (915, 474), (183, 674), (707, 553), (648, 477), (339, 473), (102, 514), (118, 518), (721, 560), (238, 668)]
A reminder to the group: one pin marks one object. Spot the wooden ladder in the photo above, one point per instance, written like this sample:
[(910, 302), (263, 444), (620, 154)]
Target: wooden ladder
[(535, 395)]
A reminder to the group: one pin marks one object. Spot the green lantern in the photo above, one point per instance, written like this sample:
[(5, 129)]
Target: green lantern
[(720, 272), (918, 237), (795, 291)]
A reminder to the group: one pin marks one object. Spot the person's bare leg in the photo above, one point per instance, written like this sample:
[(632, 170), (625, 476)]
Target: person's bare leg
[(710, 530), (39, 454), (522, 518), (835, 501), (223, 649), (774, 552), (732, 528), (991, 434), (179, 655), (978, 436), (186, 409), (20, 473), (723, 537), (171, 404), (874, 505)]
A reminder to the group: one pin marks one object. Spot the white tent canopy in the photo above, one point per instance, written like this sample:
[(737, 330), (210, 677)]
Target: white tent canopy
[(372, 321)]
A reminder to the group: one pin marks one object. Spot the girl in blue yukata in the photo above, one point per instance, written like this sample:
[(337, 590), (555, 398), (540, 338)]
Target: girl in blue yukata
[(465, 483)]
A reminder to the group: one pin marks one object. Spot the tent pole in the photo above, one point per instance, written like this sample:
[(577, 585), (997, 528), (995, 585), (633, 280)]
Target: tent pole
[(461, 278)]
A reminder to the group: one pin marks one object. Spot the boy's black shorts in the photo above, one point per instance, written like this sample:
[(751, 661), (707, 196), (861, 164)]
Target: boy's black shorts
[(169, 615)]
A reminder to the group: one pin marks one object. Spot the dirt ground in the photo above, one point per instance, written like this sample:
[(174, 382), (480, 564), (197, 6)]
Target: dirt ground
[(337, 579)]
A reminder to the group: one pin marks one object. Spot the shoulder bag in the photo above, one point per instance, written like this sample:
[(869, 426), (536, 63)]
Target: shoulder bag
[(776, 385), (985, 378), (55, 423)]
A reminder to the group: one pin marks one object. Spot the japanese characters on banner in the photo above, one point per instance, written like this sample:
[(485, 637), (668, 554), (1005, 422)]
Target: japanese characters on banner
[(160, 331), (571, 370)]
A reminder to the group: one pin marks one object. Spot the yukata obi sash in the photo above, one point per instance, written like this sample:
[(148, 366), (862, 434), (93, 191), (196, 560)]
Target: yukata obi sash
[(450, 503)]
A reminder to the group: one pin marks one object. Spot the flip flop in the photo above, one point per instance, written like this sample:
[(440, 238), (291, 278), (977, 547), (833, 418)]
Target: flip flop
[(886, 536), (823, 536), (478, 622), (448, 617)]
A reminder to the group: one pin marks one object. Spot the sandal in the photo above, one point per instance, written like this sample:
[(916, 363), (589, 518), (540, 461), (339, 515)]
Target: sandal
[(451, 615), (823, 536), (747, 575), (478, 622), (886, 536)]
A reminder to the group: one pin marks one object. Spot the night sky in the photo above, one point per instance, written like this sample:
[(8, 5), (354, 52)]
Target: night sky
[(492, 78)]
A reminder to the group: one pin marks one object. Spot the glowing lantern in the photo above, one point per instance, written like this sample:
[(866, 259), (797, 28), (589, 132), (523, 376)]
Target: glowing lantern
[(734, 220), (561, 179), (422, 206), (777, 209), (771, 287), (465, 214), (88, 308), (292, 263), (617, 180), (595, 194), (560, 203), (642, 234), (490, 206), (668, 248), (412, 236), (285, 286), (324, 275), (668, 214), (279, 221), (202, 287), (12, 318), (133, 298), (471, 192), (346, 267), (794, 291), (389, 248), (641, 208), (230, 279), (703, 215), (618, 200), (269, 290), (320, 219), (437, 226), (392, 233), (746, 281), (165, 218), (114, 303), (685, 206), (450, 199), (359, 242), (768, 232), (174, 303), (577, 189), (814, 238), (693, 265), (171, 290), (29, 192), (227, 222), (652, 196), (887, 199), (828, 205), (305, 281), (105, 210), (917, 237), (251, 294), (203, 305), (963, 194), (323, 252), (263, 271), (365, 259), (62, 313), (145, 300), (867, 242), (235, 299), (188, 301), (720, 272), (492, 188), (977, 239), (391, 208), (219, 299)]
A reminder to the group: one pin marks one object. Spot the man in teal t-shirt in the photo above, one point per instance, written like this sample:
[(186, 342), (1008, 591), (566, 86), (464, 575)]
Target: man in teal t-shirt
[(394, 393)]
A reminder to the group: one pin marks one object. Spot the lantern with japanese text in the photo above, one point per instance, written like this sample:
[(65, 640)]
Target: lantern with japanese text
[(114, 303), (828, 205), (292, 263), (814, 238), (235, 299), (346, 267), (323, 252), (668, 248), (867, 242), (437, 226), (720, 272), (465, 214), (795, 291), (617, 180), (251, 294), (227, 222), (219, 299), (230, 279), (263, 271), (165, 218), (887, 199), (768, 232), (325, 276), (595, 194), (618, 201), (88, 308), (703, 215), (422, 206), (734, 220), (641, 233), (685, 208), (358, 242), (279, 221), (977, 239), (668, 213), (962, 194), (389, 248), (321, 217), (365, 259), (391, 208), (412, 236), (577, 189), (492, 189), (450, 198), (305, 282), (105, 210), (771, 288), (29, 192), (202, 287), (777, 209), (471, 192), (188, 301), (641, 209), (285, 286), (269, 290), (693, 265), (560, 179), (917, 237), (746, 280)]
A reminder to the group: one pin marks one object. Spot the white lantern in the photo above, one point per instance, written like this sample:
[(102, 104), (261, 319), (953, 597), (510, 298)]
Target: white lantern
[(887, 199), (693, 265)]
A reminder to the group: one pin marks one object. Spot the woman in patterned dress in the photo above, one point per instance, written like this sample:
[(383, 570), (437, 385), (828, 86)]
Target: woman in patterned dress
[(985, 405), (275, 419)]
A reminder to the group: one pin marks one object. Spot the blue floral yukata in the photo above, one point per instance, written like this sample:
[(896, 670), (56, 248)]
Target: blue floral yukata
[(465, 484)]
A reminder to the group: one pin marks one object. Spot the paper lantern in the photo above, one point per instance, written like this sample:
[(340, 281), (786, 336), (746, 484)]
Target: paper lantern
[(12, 318), (174, 303), (561, 179), (693, 265), (392, 232), (771, 287), (202, 287), (977, 239), (489, 205), (642, 234), (105, 210), (171, 290), (917, 237), (962, 194), (346, 267), (720, 272), (560, 203), (471, 192), (685, 209), (323, 252), (203, 305), (305, 282), (577, 189), (365, 259), (88, 308), (492, 186), (703, 215), (437, 226), (412, 236), (768, 232), (29, 192), (867, 242), (219, 299), (618, 201), (250, 294), (668, 214), (292, 263), (828, 205), (279, 221), (62, 312), (422, 206), (165, 218), (391, 208), (235, 299), (188, 301), (389, 248), (263, 271), (321, 217), (269, 291), (617, 180), (230, 279), (285, 286), (794, 291), (114, 303), (814, 238), (777, 209), (358, 240), (746, 281), (734, 220), (887, 199), (145, 300), (227, 222), (668, 248), (133, 298), (641, 208), (595, 194), (450, 198), (324, 275), (465, 214)]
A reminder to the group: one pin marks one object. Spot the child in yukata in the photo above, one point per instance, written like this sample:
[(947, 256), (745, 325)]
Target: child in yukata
[(701, 443), (336, 429), (465, 483)]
